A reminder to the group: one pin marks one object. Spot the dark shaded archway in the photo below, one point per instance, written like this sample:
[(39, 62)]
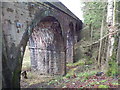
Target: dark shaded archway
[(46, 47), (78, 28), (70, 43)]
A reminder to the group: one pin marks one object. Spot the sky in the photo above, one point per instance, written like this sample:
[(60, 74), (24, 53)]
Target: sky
[(74, 6)]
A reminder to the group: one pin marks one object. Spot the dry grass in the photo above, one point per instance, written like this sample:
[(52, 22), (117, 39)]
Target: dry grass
[(34, 78)]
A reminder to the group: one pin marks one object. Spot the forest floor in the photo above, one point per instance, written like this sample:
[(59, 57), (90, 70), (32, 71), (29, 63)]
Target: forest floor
[(78, 76), (85, 80), (81, 74)]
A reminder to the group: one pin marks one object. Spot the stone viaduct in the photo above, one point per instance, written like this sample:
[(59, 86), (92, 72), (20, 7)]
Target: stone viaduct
[(51, 30)]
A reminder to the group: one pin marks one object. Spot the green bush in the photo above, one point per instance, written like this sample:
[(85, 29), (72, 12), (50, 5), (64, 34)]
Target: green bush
[(86, 74), (70, 73), (103, 86), (102, 81), (89, 62), (113, 65), (80, 62), (52, 82), (115, 83), (113, 68), (93, 83)]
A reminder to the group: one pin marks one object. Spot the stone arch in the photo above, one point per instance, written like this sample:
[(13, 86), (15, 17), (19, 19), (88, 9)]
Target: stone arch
[(19, 42), (47, 47)]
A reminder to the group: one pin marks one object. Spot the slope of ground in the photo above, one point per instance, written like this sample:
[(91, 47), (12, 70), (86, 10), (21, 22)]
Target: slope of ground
[(79, 75), (86, 79)]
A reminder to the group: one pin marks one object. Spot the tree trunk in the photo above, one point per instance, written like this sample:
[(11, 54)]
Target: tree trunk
[(91, 33), (111, 23), (100, 47), (90, 27), (118, 51)]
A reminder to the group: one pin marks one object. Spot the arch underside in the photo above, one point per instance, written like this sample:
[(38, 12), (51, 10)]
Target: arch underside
[(46, 47), (70, 43)]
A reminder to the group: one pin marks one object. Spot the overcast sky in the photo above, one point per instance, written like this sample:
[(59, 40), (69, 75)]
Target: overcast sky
[(74, 6)]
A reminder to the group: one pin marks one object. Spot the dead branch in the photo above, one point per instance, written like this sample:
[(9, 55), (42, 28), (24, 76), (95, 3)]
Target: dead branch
[(115, 32)]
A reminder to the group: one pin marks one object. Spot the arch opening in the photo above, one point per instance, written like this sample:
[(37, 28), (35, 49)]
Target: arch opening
[(46, 47), (78, 28), (70, 42)]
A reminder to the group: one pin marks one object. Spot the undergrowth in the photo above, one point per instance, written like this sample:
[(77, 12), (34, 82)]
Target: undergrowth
[(103, 86), (113, 66), (86, 74), (80, 62), (113, 63)]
